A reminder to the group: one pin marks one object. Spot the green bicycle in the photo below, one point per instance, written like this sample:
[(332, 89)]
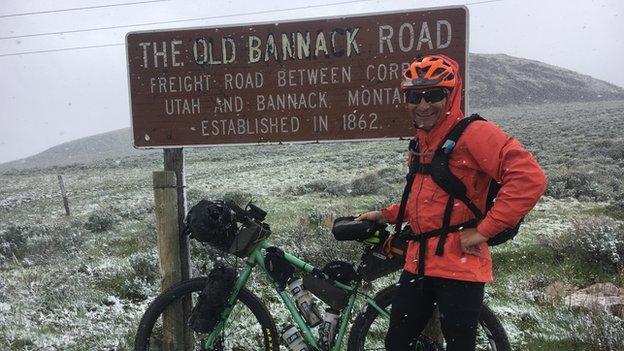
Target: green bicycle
[(245, 323)]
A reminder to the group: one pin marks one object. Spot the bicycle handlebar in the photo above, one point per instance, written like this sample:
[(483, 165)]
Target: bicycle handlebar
[(237, 209), (254, 213)]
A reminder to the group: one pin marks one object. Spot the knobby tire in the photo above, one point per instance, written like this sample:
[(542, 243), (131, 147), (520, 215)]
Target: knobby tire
[(250, 314), (491, 335)]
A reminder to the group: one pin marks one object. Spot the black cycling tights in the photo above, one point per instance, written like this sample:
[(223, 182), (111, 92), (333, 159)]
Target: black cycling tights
[(459, 303)]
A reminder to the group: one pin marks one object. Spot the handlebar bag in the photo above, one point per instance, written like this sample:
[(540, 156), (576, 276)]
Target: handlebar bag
[(212, 222), (248, 237), (216, 223)]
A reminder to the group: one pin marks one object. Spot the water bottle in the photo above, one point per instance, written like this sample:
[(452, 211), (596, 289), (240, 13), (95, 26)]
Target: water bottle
[(327, 330), (293, 339), (305, 301)]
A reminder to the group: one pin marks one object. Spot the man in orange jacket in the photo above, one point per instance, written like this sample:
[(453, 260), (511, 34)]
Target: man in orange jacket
[(453, 280)]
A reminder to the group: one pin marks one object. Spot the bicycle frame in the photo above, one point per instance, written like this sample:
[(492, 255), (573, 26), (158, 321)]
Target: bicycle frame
[(256, 258)]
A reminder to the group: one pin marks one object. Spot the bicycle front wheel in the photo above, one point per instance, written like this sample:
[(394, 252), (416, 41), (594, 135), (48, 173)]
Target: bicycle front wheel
[(250, 327), (369, 330)]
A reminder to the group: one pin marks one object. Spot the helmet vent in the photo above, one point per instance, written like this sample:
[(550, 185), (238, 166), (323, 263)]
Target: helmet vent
[(439, 71)]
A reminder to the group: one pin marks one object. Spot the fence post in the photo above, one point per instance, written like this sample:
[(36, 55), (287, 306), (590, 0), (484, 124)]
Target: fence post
[(174, 161), (64, 194), (166, 212)]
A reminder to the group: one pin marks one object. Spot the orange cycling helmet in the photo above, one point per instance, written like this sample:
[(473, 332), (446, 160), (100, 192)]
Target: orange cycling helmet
[(428, 72)]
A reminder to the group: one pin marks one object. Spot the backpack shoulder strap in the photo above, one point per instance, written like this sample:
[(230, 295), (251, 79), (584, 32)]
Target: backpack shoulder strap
[(415, 162), (445, 179), (451, 138), (440, 172), (411, 174)]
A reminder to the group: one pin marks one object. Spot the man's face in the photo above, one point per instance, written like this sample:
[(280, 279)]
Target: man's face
[(426, 107)]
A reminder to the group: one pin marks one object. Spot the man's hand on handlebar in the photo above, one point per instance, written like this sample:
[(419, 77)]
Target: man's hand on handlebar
[(373, 216)]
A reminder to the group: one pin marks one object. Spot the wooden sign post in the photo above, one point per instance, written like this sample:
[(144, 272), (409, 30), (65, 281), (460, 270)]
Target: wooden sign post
[(174, 162), (171, 265)]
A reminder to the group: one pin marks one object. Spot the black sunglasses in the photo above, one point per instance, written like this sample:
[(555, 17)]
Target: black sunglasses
[(430, 96)]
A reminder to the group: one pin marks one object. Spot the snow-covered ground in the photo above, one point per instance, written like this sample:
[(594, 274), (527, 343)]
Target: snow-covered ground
[(82, 282)]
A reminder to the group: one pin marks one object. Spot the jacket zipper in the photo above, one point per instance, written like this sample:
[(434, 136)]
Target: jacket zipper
[(421, 180)]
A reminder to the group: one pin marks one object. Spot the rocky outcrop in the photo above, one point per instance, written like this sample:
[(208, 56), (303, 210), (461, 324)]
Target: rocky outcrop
[(598, 297)]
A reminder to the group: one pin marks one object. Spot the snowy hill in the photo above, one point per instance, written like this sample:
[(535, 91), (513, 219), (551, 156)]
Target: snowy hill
[(499, 80)]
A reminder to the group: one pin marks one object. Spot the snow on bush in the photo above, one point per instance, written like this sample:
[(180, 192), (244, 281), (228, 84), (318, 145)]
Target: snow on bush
[(369, 184), (328, 186), (599, 240), (40, 242), (100, 220), (602, 331), (145, 266)]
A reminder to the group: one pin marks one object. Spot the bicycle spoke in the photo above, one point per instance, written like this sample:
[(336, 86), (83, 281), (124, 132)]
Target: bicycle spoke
[(242, 332), (239, 333), (485, 341)]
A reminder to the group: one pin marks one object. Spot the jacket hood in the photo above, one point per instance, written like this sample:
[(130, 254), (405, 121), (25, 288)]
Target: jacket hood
[(452, 113)]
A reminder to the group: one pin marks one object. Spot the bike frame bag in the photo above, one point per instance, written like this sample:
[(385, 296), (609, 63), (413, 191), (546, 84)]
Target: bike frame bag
[(335, 297)]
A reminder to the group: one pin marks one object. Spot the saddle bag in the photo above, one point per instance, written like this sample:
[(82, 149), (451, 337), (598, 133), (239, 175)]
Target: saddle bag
[(386, 253), (379, 261)]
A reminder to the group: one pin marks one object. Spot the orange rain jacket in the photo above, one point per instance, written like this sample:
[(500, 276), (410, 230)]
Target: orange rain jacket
[(483, 152)]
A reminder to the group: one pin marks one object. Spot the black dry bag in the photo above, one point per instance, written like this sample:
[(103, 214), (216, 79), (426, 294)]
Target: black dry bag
[(212, 300)]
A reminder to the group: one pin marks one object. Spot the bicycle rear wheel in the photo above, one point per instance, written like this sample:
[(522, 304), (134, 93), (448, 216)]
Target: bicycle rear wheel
[(369, 331), (250, 327)]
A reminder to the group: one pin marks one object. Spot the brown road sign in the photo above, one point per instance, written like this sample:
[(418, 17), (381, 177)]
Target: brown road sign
[(320, 79)]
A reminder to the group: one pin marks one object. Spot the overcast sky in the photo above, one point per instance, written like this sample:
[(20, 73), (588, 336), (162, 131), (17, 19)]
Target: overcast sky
[(58, 95)]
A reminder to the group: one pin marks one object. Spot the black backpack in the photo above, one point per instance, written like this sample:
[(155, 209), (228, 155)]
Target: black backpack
[(440, 173)]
